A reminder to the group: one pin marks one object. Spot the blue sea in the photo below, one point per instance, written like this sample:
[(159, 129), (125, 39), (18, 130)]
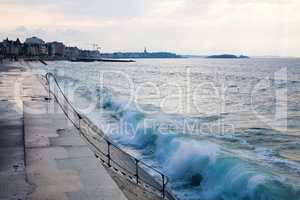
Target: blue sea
[(221, 129)]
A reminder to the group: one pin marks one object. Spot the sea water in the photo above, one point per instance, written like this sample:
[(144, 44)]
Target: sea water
[(220, 129)]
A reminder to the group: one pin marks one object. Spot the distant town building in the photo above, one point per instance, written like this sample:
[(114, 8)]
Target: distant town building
[(56, 49), (71, 53), (88, 54), (35, 46), (10, 47), (34, 40)]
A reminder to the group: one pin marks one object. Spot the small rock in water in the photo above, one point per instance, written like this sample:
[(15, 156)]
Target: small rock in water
[(196, 180)]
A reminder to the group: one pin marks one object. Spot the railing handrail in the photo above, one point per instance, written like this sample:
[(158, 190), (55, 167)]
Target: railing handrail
[(165, 178)]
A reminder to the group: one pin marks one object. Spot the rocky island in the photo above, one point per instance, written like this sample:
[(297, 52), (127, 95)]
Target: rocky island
[(227, 56)]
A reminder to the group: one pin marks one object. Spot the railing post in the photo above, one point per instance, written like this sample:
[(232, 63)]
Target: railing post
[(79, 119), (163, 186), (137, 170), (48, 80), (108, 153)]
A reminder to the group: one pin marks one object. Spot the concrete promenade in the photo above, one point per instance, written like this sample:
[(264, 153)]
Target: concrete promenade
[(41, 155)]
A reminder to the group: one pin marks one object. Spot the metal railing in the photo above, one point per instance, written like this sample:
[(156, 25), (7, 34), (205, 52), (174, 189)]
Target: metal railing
[(107, 151)]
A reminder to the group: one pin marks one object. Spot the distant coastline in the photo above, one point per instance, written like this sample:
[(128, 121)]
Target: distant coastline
[(35, 48), (230, 56), (137, 55)]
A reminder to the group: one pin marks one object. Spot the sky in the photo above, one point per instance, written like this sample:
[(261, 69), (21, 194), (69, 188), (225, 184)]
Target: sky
[(201, 27)]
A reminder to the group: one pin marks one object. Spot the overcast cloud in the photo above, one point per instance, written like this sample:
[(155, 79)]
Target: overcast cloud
[(252, 27)]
